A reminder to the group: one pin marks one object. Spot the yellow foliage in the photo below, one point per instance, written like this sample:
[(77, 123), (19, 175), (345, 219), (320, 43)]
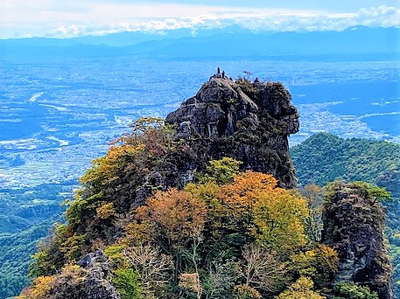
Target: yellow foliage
[(320, 263), (41, 287), (115, 254), (206, 192), (328, 257), (276, 213), (252, 205), (301, 289), (279, 216), (106, 211), (104, 169), (138, 232), (73, 273), (246, 292)]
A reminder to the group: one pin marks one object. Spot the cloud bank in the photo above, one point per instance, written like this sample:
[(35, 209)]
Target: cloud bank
[(19, 18)]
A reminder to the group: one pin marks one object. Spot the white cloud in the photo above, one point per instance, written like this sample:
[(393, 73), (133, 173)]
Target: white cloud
[(74, 18)]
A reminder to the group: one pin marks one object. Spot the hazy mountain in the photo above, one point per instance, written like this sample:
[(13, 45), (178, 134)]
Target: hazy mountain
[(211, 43)]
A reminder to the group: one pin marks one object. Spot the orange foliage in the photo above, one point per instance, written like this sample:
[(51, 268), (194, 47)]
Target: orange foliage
[(174, 215), (106, 211), (240, 196), (40, 289)]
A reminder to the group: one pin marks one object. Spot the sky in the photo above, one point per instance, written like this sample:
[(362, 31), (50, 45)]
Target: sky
[(69, 18)]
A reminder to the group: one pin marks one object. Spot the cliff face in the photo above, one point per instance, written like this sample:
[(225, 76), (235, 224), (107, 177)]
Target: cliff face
[(247, 121), (353, 226)]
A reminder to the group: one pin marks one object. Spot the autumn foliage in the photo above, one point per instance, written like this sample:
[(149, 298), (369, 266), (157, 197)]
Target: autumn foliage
[(227, 234), (248, 222)]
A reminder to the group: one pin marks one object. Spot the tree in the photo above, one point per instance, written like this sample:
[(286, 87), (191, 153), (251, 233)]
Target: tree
[(221, 278), (244, 291), (50, 255), (206, 230), (127, 283), (313, 223), (191, 282), (40, 289), (353, 291), (154, 269), (105, 169), (173, 218), (221, 171), (301, 289), (106, 211), (320, 264), (279, 218), (262, 270)]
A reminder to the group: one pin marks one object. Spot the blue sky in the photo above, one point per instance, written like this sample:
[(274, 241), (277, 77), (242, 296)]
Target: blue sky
[(57, 18)]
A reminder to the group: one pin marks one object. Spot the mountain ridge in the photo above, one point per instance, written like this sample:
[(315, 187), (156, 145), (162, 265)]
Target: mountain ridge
[(375, 41)]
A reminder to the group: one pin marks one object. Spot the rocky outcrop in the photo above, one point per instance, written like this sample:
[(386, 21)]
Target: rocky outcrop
[(353, 226), (90, 281), (248, 121)]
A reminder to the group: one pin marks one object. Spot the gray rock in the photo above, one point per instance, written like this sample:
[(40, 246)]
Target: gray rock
[(91, 282), (353, 226), (247, 121)]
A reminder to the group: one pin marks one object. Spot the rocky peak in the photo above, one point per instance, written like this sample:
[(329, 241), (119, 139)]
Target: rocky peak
[(353, 226), (248, 121)]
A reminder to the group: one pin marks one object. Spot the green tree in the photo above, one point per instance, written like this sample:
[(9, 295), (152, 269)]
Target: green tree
[(348, 290), (221, 171), (127, 283)]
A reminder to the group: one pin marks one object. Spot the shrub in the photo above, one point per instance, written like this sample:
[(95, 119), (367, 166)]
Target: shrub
[(221, 171), (106, 211), (246, 292), (301, 289), (320, 264), (348, 290), (41, 288), (116, 256), (126, 282)]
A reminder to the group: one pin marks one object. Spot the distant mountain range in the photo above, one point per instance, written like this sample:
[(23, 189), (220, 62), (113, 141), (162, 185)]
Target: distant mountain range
[(232, 42)]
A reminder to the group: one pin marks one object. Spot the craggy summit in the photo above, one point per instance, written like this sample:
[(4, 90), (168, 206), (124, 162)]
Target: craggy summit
[(248, 121)]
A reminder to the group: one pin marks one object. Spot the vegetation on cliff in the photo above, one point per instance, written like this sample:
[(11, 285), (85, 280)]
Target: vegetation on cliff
[(187, 209), (228, 234), (236, 234)]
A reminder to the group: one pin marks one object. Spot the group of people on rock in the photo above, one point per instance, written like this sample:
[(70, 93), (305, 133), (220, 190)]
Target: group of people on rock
[(222, 75)]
